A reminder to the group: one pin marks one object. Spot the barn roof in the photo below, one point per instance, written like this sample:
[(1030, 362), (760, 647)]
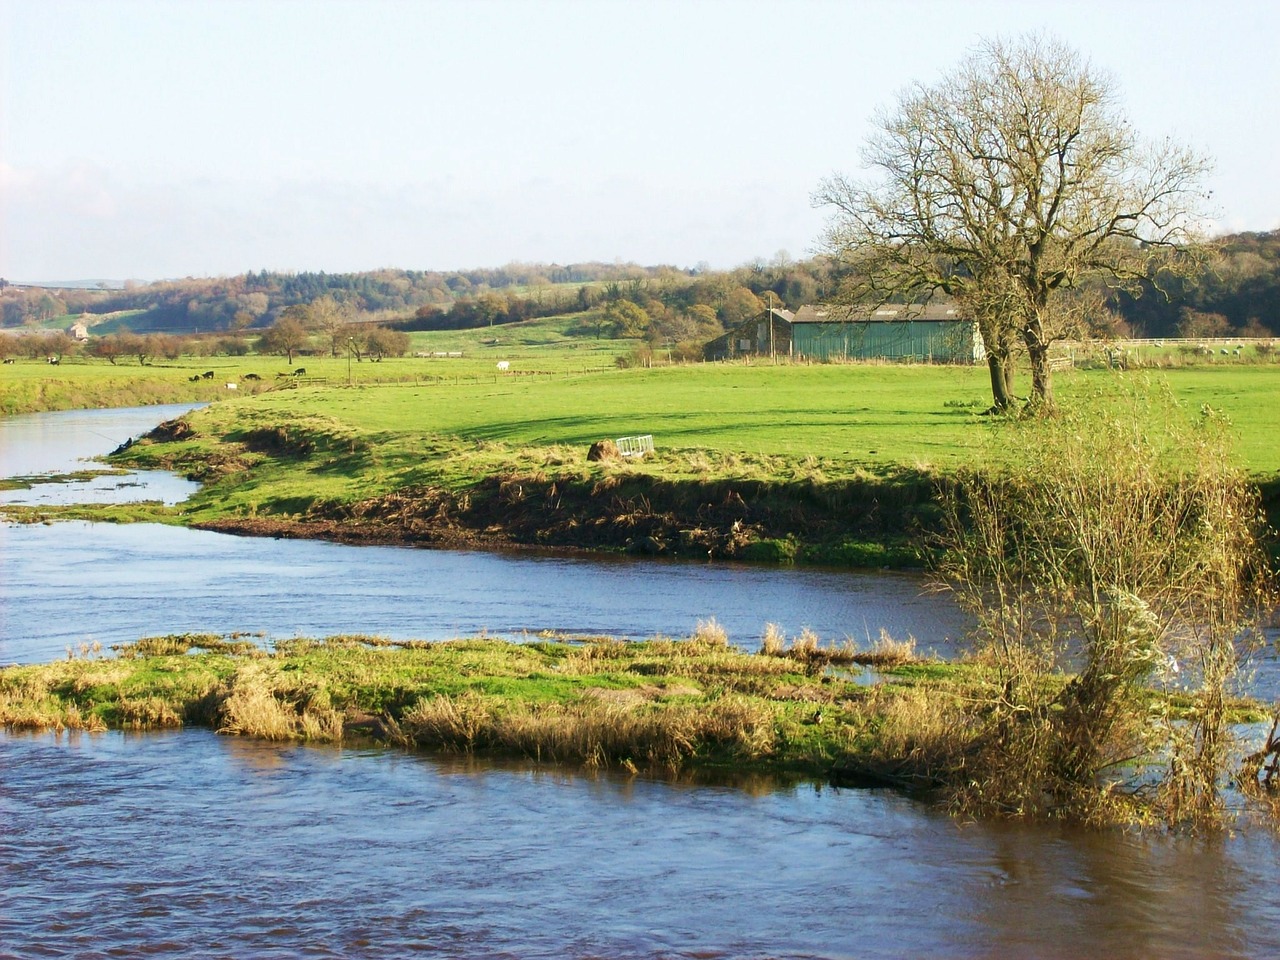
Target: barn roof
[(886, 313)]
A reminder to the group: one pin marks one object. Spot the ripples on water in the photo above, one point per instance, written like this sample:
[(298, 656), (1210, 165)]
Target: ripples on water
[(188, 844), (72, 583)]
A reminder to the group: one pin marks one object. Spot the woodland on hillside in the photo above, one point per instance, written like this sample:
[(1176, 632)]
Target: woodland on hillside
[(1236, 294)]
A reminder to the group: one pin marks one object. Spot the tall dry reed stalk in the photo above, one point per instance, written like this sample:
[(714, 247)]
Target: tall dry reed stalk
[(258, 703)]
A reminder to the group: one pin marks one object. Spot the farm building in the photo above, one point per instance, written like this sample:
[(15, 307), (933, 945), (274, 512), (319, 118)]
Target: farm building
[(768, 334), (926, 333)]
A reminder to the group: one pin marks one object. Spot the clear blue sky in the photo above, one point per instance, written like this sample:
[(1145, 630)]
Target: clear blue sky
[(167, 138)]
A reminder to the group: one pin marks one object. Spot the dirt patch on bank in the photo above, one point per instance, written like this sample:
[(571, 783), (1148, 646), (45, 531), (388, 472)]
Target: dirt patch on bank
[(638, 514)]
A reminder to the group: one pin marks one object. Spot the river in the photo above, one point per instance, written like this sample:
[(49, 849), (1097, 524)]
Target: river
[(188, 844)]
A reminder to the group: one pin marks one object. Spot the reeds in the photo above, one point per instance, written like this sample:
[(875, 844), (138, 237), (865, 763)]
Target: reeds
[(807, 648), (886, 651), (594, 731), (260, 703), (710, 633)]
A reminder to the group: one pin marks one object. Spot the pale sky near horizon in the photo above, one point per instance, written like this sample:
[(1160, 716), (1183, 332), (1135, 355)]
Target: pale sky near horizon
[(169, 138)]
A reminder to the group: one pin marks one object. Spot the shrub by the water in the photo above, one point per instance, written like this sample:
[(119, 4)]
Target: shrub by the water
[(1117, 547)]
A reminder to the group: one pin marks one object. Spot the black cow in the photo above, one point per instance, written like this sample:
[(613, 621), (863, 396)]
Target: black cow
[(300, 372), (252, 376), (207, 375)]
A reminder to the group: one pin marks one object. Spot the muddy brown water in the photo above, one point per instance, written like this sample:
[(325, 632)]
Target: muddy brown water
[(185, 844), (189, 844)]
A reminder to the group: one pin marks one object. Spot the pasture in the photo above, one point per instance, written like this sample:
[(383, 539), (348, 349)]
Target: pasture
[(864, 414), (562, 389)]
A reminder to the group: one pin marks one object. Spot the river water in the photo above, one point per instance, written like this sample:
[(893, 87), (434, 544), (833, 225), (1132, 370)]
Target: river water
[(190, 844)]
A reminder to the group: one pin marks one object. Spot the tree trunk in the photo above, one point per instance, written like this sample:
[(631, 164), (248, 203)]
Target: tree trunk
[(1001, 382), (995, 338), (1041, 375)]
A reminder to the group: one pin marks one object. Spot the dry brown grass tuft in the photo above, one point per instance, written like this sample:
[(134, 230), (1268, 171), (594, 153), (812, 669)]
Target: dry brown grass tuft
[(920, 738), (451, 722), (50, 714), (258, 704), (147, 713), (774, 641), (709, 633), (602, 728), (806, 648), (748, 726), (888, 652), (602, 654)]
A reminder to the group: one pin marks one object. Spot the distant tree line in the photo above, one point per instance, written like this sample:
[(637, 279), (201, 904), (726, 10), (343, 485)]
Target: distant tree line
[(1237, 294)]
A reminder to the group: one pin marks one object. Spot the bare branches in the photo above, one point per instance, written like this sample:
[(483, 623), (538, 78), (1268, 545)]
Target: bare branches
[(1014, 177)]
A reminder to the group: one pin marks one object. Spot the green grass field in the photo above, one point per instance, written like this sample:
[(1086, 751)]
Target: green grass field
[(858, 413), (866, 414), (563, 386), (542, 348), (548, 344), (835, 459), (566, 390)]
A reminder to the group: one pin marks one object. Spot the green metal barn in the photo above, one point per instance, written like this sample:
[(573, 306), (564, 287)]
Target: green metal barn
[(933, 333)]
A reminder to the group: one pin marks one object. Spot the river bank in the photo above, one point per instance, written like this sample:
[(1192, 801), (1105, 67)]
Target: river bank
[(311, 477), (660, 705), (796, 708), (833, 465), (319, 477)]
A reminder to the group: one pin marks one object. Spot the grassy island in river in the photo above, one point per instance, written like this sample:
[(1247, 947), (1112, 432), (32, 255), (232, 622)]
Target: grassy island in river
[(794, 710)]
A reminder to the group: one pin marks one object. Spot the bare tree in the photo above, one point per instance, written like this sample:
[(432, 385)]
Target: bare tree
[(287, 335), (1013, 178), (331, 318)]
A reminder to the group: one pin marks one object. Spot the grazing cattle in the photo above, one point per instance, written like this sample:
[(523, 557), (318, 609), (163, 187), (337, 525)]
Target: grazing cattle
[(300, 372), (207, 375), (252, 376), (194, 377), (55, 360), (8, 360), (504, 365)]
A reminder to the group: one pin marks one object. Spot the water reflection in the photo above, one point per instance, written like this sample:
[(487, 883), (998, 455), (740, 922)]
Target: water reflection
[(62, 441), (138, 486), (41, 446), (186, 843)]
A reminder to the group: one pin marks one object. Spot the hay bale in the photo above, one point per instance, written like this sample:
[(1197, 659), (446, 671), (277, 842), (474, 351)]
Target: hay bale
[(604, 450), (172, 430)]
